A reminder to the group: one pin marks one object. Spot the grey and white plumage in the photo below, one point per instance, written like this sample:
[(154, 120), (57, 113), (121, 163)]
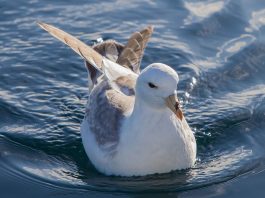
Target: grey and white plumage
[(133, 123)]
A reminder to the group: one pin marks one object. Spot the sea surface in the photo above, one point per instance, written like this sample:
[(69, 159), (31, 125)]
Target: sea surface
[(216, 46)]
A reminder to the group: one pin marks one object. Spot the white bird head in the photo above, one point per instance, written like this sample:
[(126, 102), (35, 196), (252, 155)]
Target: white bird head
[(157, 87)]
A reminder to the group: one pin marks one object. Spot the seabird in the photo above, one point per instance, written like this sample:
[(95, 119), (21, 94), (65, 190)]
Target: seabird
[(133, 125)]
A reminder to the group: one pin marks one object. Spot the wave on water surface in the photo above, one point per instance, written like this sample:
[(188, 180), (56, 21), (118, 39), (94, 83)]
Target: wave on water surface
[(217, 47)]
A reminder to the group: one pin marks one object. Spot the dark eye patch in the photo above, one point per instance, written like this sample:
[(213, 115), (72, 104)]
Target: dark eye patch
[(151, 85)]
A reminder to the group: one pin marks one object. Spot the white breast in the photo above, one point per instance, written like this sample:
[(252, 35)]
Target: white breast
[(154, 145), (148, 144)]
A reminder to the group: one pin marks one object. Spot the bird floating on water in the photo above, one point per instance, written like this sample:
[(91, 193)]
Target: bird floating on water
[(133, 124)]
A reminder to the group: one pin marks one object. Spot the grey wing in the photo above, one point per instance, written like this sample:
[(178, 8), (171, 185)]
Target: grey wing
[(129, 56), (105, 111), (110, 49), (83, 50), (132, 54), (106, 106)]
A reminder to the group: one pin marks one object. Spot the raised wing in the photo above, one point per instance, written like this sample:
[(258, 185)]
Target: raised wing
[(112, 71), (85, 51), (110, 49), (133, 51)]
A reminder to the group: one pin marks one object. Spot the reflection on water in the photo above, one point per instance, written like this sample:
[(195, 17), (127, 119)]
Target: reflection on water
[(257, 20), (217, 47), (201, 10), (234, 46)]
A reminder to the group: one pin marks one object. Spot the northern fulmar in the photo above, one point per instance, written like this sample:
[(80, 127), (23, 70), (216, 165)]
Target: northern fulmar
[(133, 125)]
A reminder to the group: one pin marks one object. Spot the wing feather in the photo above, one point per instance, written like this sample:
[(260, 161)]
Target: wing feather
[(104, 56), (136, 44), (85, 51)]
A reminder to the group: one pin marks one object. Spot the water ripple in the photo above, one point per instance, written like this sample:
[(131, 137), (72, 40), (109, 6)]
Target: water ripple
[(217, 47)]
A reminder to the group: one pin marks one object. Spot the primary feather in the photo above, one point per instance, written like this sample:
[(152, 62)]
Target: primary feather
[(78, 46)]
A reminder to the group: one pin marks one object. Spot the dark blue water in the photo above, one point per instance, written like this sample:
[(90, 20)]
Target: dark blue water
[(218, 49)]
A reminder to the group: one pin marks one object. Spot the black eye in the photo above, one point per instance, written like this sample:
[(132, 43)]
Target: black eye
[(151, 85)]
